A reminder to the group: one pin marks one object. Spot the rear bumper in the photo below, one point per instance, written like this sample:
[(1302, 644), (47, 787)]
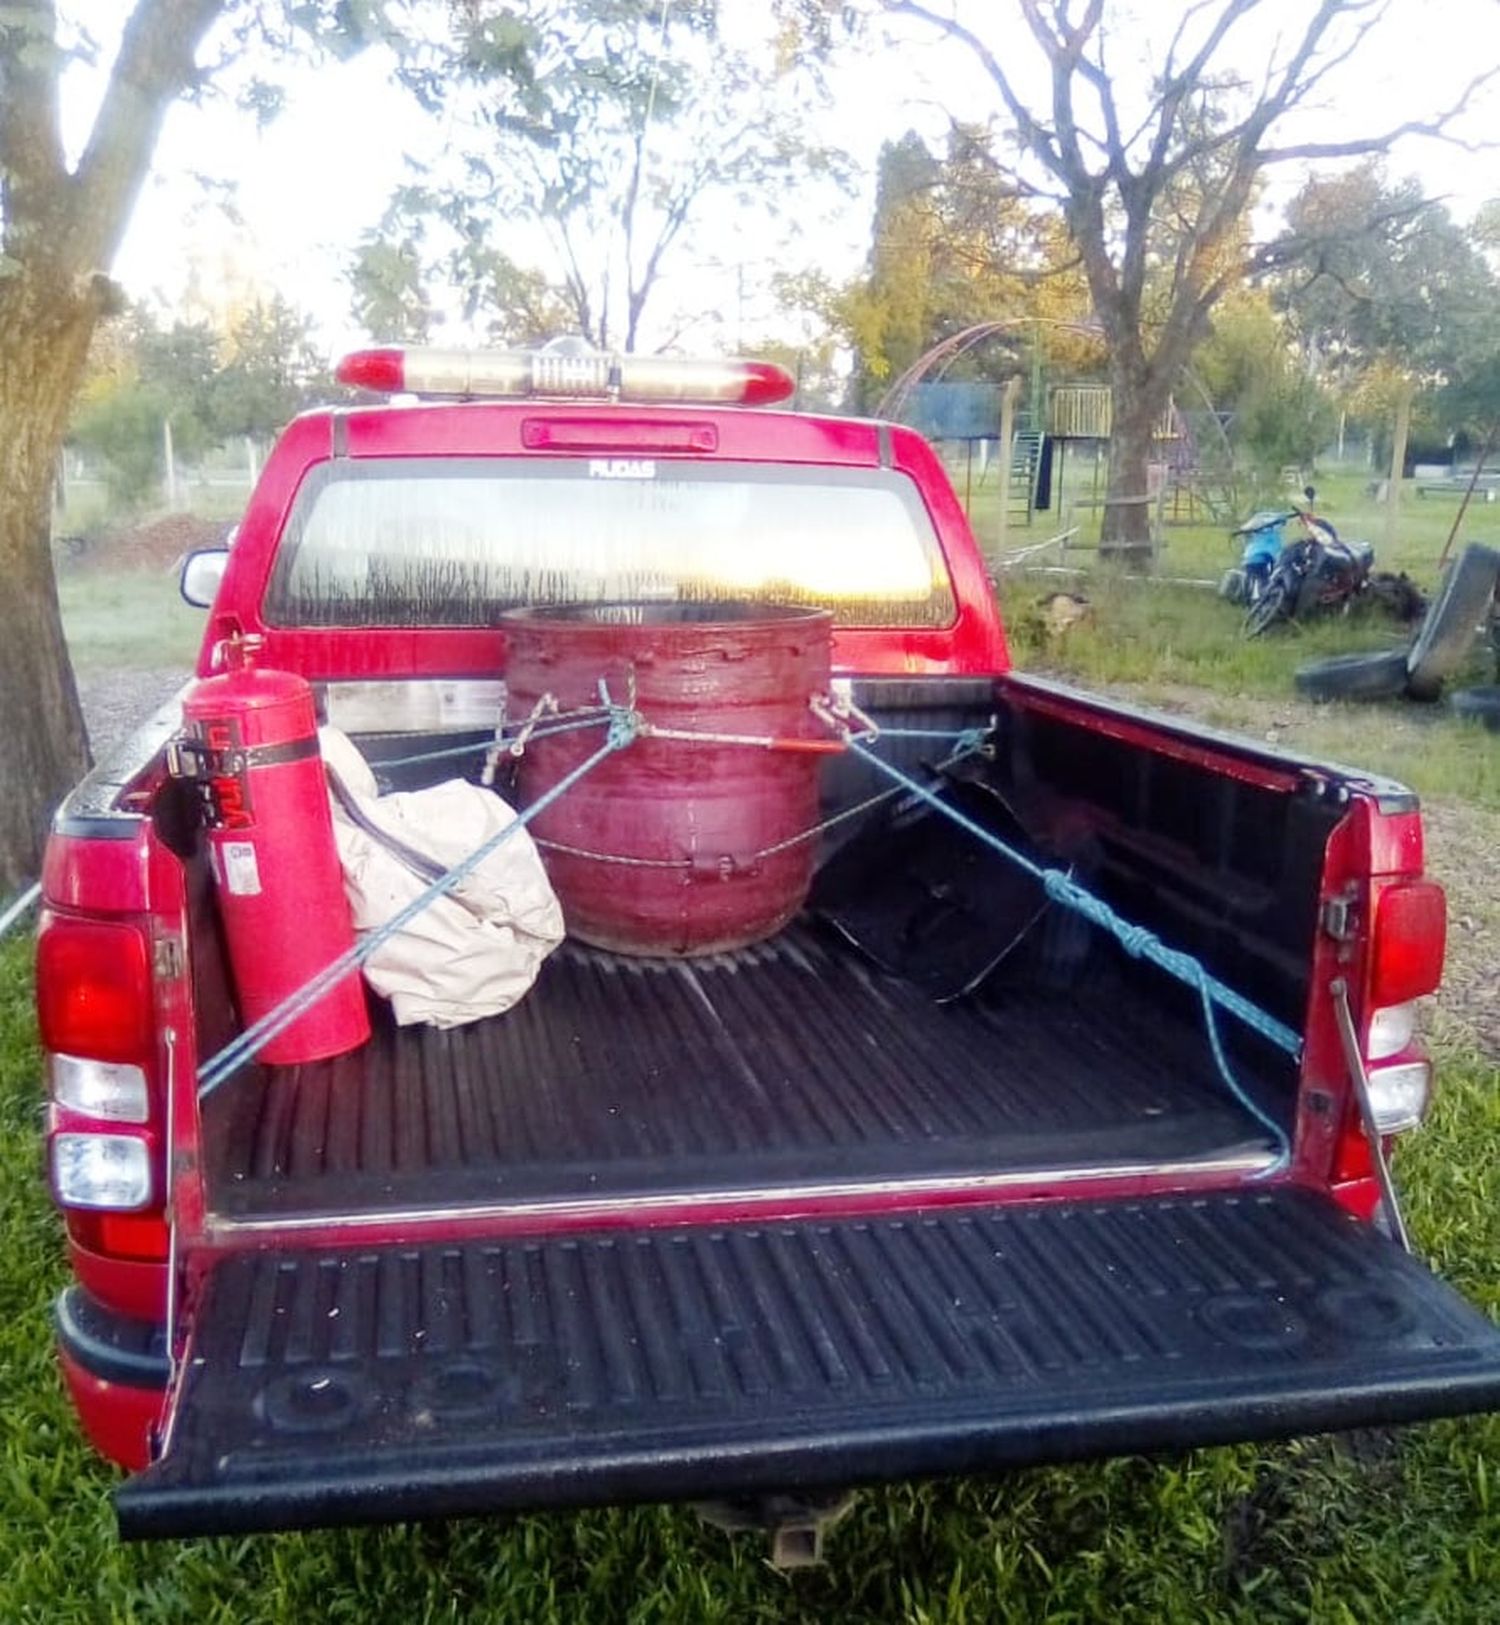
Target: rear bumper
[(116, 1371)]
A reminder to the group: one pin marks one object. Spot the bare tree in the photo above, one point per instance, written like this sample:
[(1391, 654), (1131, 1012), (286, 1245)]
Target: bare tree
[(1156, 195)]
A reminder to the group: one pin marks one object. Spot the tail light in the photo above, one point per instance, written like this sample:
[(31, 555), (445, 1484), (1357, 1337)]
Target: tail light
[(1406, 962), (93, 986), (1383, 951), (566, 374), (108, 1171), (95, 1009), (114, 1091), (1411, 930), (1399, 1095)]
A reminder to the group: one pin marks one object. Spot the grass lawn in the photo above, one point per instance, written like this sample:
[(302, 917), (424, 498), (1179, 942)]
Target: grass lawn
[(127, 619), (1389, 1528)]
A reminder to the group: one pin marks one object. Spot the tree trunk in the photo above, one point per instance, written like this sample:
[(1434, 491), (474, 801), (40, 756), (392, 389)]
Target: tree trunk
[(1125, 535), (44, 337)]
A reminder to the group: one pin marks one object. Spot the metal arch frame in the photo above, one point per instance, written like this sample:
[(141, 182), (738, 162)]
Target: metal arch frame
[(948, 350), (951, 348)]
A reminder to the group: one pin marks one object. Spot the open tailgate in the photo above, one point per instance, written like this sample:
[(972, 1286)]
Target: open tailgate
[(324, 1387)]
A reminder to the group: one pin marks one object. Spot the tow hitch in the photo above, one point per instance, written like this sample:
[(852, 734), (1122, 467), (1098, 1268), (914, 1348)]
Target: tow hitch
[(795, 1525)]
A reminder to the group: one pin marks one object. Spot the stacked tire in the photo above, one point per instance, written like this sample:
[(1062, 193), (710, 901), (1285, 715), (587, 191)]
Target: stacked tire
[(1480, 705), (1443, 641), (1378, 676), (1447, 632)]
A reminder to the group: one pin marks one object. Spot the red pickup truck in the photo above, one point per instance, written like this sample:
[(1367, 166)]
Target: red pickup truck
[(917, 1187)]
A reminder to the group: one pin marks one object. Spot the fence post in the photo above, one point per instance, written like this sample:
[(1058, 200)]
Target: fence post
[(170, 461), (1007, 458)]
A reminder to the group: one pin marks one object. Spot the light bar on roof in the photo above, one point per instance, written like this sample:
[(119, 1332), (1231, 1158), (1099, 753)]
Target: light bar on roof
[(559, 375)]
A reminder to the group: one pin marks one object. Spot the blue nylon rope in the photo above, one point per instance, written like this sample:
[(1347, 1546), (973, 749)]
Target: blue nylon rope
[(447, 754), (239, 1051), (545, 731), (1139, 943)]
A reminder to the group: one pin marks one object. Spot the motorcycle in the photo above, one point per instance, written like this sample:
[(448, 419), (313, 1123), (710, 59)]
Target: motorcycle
[(1317, 572), (1262, 537)]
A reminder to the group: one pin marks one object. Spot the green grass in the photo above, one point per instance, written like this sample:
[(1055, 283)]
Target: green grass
[(1148, 631), (1406, 1529), (127, 619)]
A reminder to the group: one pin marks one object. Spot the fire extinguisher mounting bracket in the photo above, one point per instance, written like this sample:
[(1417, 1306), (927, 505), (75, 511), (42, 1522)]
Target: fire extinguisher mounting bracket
[(189, 758), (220, 771)]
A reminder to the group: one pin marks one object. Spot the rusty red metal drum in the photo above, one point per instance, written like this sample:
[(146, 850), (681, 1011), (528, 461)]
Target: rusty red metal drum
[(664, 848)]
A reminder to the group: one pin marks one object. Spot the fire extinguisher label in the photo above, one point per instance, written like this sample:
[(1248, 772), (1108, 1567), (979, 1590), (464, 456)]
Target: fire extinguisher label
[(241, 872)]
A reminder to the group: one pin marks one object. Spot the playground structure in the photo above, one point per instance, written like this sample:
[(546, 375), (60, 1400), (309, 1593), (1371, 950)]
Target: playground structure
[(1039, 425)]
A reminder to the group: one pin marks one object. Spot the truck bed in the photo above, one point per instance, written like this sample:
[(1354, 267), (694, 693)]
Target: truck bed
[(794, 1063)]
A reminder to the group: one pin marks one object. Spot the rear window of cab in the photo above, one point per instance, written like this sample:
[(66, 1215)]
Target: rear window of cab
[(406, 542)]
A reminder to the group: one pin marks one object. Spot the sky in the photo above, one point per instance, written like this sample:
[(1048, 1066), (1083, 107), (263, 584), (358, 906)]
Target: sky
[(307, 186)]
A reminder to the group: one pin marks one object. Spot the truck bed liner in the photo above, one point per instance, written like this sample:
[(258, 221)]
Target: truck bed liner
[(338, 1386), (789, 1062)]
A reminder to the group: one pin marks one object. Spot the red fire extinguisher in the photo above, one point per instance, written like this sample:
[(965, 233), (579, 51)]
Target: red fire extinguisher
[(252, 747)]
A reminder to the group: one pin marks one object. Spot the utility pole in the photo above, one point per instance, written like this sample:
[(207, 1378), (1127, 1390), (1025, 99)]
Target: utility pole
[(170, 462)]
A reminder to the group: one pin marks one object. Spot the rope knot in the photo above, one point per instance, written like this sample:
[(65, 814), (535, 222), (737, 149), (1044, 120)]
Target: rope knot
[(624, 727), (1136, 940)]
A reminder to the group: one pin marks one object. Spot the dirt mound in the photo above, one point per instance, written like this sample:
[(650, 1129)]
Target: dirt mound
[(152, 544)]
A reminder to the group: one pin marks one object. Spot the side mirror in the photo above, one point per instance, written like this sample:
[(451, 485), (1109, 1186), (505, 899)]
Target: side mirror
[(202, 571), (1310, 494)]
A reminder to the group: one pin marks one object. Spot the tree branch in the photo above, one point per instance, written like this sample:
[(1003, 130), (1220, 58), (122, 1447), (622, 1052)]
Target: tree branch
[(1338, 58), (31, 158), (1179, 34), (1036, 135), (678, 208), (1293, 247), (1248, 157), (1113, 145), (632, 200), (1064, 54), (154, 67), (1063, 155), (1176, 89), (1437, 128)]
